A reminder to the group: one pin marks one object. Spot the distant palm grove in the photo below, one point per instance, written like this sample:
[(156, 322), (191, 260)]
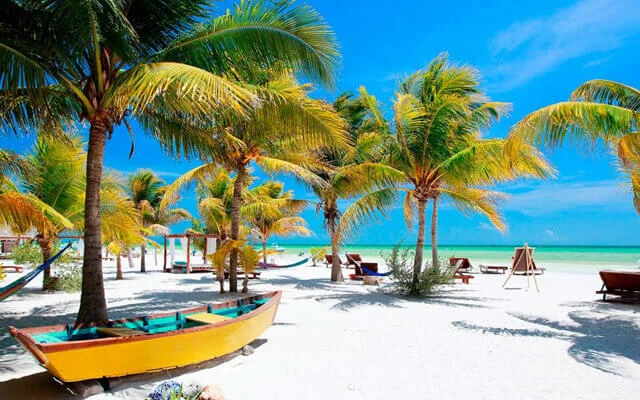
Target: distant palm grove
[(232, 92)]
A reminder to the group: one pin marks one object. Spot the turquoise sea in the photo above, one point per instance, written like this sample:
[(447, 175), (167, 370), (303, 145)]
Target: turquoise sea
[(561, 258)]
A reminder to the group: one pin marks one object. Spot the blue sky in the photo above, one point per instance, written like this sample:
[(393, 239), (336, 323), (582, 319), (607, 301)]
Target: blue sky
[(530, 53)]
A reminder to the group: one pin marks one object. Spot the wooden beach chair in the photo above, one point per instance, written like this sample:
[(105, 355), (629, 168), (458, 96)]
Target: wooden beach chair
[(352, 259), (626, 285), (328, 259), (464, 267), (458, 274), (363, 268), (14, 268)]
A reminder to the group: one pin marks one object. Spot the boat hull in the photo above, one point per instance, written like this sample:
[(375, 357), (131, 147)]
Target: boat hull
[(114, 357)]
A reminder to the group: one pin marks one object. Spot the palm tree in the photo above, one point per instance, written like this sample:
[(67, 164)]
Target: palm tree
[(161, 62), (598, 110), (274, 136), (248, 258), (437, 151), (352, 171), (146, 190), (18, 210), (56, 178), (272, 211), (122, 222), (214, 193)]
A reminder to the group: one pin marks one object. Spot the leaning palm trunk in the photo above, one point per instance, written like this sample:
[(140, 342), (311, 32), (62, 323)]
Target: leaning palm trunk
[(245, 282), (143, 263), (434, 234), (118, 267), (417, 263), (336, 268), (264, 251), (235, 231), (45, 245), (93, 305)]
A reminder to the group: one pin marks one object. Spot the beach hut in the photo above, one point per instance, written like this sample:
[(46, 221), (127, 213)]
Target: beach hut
[(186, 242)]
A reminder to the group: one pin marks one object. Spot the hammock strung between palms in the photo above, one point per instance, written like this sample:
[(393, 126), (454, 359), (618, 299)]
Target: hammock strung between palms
[(23, 281)]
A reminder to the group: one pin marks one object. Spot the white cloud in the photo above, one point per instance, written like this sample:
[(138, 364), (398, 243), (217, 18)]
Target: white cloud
[(550, 233), (550, 198), (530, 48)]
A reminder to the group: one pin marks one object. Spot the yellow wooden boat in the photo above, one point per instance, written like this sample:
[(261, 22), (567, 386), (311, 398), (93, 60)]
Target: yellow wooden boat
[(152, 343)]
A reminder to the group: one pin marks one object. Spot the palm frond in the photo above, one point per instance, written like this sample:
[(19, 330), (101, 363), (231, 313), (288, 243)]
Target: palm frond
[(262, 33), (474, 200), (577, 123), (367, 209), (274, 165), (172, 191), (608, 92), (178, 88)]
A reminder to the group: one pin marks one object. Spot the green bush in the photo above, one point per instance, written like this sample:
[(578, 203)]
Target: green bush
[(66, 277), (400, 264), (27, 253)]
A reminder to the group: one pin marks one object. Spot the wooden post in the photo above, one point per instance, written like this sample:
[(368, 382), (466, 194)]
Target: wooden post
[(188, 254), (164, 266)]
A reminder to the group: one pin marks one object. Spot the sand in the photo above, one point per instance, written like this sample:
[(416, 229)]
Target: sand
[(350, 341)]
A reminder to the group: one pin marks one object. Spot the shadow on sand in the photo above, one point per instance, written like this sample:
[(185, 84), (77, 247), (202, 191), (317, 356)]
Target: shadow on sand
[(44, 386), (594, 341)]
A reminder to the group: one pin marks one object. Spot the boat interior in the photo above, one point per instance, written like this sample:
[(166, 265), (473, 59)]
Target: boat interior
[(150, 325)]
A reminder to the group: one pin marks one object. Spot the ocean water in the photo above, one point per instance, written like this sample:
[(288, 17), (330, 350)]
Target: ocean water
[(561, 258)]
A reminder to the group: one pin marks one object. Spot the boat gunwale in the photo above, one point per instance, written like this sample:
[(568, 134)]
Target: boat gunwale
[(24, 335)]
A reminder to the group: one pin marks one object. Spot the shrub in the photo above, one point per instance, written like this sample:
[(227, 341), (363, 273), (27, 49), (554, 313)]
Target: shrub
[(400, 264), (66, 277), (27, 253)]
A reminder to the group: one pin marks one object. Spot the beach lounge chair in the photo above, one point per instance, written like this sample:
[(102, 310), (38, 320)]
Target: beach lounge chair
[(466, 264), (458, 274), (352, 258), (14, 268), (363, 268), (328, 259), (619, 283)]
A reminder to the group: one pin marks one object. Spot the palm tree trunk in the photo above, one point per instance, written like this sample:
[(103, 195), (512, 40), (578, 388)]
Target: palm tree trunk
[(155, 256), (143, 263), (245, 281), (93, 306), (118, 267), (264, 251), (235, 229), (130, 258), (435, 261), (45, 245), (417, 262), (336, 268)]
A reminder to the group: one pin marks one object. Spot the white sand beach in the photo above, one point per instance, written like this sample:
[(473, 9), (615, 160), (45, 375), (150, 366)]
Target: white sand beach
[(350, 341)]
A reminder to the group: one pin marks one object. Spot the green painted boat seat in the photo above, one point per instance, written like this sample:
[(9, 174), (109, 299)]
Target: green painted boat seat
[(261, 301)]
